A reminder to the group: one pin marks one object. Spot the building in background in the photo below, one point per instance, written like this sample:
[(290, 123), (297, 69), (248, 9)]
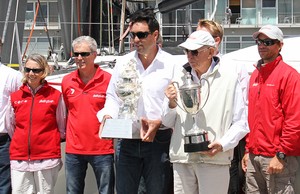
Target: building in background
[(54, 25)]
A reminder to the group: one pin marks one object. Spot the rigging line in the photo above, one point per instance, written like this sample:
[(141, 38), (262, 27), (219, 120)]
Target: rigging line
[(6, 21), (15, 33), (45, 26), (112, 23), (31, 31), (78, 17), (109, 30), (90, 17), (214, 11)]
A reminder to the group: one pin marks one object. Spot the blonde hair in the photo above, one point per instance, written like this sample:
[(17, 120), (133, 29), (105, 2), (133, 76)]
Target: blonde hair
[(42, 62), (214, 28)]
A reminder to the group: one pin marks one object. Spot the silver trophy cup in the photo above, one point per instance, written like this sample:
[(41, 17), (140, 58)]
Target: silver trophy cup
[(129, 90), (195, 139)]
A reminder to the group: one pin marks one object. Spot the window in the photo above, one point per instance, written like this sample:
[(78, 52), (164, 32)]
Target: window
[(42, 15), (53, 14), (248, 4), (29, 15), (268, 3)]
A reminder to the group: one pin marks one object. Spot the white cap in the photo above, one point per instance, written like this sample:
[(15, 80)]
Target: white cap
[(197, 40), (270, 31)]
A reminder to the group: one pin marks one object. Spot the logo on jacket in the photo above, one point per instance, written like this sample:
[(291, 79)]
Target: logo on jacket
[(46, 101), (20, 101), (98, 96), (72, 90)]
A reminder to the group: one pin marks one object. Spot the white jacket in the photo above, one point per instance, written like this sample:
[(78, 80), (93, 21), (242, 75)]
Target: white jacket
[(223, 116)]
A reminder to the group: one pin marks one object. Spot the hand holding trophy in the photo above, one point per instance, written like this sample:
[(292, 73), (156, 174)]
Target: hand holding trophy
[(195, 139)]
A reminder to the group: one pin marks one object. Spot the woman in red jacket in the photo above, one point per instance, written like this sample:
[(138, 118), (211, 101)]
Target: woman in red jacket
[(37, 125)]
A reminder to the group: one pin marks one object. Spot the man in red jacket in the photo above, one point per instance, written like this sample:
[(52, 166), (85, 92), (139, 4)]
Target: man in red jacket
[(84, 92), (274, 119)]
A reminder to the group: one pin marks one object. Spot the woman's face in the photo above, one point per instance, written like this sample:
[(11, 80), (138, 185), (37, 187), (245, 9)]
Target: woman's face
[(33, 73)]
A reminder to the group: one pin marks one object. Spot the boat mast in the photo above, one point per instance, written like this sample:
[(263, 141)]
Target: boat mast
[(121, 43)]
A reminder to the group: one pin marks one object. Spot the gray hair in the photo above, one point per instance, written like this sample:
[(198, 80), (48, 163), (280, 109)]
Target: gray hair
[(87, 39)]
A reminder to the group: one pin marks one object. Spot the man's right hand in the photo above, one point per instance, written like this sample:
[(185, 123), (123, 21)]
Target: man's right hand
[(171, 94), (102, 124), (245, 162)]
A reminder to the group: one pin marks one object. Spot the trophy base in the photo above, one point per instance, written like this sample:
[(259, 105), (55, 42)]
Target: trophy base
[(196, 147), (121, 129)]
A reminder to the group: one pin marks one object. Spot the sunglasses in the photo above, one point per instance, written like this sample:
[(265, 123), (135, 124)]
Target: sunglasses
[(266, 42), (27, 70), (82, 54), (140, 35), (193, 52)]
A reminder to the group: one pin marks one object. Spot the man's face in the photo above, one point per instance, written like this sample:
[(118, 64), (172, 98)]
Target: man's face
[(200, 59), (84, 58), (147, 40), (268, 52)]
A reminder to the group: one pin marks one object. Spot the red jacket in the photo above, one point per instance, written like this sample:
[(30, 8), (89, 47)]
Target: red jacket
[(83, 101), (274, 104), (36, 133)]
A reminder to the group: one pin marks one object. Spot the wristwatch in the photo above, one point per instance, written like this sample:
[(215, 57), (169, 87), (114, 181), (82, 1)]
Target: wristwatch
[(280, 155)]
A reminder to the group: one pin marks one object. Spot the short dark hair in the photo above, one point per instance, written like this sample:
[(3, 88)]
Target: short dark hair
[(145, 15)]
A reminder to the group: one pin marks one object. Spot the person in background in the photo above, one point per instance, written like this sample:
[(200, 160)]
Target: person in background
[(272, 145), (146, 157), (228, 14), (237, 177), (36, 123), (10, 81), (84, 92), (62, 52), (223, 117), (49, 53)]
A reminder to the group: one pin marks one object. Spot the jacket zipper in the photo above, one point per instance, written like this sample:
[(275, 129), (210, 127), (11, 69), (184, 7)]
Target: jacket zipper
[(30, 126)]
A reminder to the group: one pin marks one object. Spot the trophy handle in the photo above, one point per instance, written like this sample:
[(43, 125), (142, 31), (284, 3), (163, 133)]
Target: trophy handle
[(208, 86), (176, 84)]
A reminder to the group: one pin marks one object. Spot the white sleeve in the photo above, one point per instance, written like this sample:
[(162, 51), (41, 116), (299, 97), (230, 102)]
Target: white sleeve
[(10, 121), (169, 115), (61, 117), (239, 127), (112, 102)]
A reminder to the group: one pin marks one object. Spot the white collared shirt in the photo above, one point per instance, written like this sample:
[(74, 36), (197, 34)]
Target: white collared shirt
[(154, 81)]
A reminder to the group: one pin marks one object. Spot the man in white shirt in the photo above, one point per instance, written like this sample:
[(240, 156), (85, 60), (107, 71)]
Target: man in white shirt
[(10, 81), (237, 177), (148, 156), (223, 117)]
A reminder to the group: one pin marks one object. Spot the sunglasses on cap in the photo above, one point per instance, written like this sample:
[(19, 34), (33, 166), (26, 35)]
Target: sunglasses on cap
[(140, 35), (27, 70), (82, 54), (266, 42), (193, 52)]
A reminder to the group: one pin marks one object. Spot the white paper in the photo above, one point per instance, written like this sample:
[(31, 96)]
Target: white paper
[(120, 128)]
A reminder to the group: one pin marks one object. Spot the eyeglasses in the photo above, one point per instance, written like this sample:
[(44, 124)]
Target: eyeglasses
[(193, 52), (140, 35), (27, 70), (82, 54), (266, 42)]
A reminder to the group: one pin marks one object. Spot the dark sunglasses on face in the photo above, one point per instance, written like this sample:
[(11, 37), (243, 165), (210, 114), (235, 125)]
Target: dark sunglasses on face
[(82, 54), (193, 52), (27, 70), (140, 35), (266, 42)]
